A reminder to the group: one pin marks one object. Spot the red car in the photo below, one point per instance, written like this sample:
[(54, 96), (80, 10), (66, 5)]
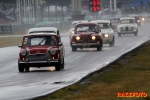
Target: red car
[(41, 50), (87, 35)]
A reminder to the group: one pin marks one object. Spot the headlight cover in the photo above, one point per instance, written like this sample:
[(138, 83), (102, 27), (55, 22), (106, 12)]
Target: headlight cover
[(53, 51), (106, 35), (72, 32), (23, 52), (93, 37), (77, 38), (135, 29), (143, 19)]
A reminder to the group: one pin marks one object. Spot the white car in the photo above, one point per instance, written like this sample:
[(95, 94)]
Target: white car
[(127, 26), (45, 30), (106, 31), (71, 31)]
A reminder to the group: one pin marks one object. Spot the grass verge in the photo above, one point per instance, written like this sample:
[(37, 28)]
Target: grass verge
[(131, 73), (10, 41)]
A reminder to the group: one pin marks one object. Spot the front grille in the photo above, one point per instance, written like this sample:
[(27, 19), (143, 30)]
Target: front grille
[(127, 29), (38, 57), (85, 39), (132, 28)]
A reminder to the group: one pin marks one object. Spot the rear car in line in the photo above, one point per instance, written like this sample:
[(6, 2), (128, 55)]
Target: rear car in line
[(127, 25)]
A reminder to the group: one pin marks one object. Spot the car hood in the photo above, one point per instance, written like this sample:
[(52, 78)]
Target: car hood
[(105, 31), (71, 29), (38, 49), (85, 33), (126, 25)]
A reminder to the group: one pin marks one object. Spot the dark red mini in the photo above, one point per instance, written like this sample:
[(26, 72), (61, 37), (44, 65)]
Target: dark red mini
[(41, 50)]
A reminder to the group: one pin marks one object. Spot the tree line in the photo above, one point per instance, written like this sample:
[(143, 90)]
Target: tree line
[(49, 2)]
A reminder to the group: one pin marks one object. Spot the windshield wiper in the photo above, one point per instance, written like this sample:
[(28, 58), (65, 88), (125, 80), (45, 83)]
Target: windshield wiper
[(41, 41)]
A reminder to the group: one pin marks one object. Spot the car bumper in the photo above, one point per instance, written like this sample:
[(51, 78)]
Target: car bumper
[(85, 45), (39, 63), (127, 32), (106, 40)]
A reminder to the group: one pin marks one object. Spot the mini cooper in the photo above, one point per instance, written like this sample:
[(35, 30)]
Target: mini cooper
[(127, 26), (86, 35), (71, 31), (41, 50), (106, 31)]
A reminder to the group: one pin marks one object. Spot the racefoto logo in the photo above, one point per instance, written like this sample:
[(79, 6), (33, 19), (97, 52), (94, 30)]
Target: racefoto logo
[(132, 94)]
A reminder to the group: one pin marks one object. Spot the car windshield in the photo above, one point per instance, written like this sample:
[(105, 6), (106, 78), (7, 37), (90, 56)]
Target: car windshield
[(74, 24), (42, 32), (87, 28), (39, 40), (127, 21), (115, 20), (104, 25)]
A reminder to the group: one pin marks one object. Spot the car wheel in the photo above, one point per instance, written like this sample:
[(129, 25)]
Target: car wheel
[(58, 65), (63, 64), (74, 48), (119, 35), (112, 42), (99, 48), (20, 67), (136, 33), (27, 69)]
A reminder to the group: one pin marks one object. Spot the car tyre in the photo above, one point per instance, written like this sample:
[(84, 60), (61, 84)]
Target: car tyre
[(27, 69), (74, 48), (58, 66), (136, 33), (99, 48), (63, 64), (111, 44), (20, 67), (119, 35)]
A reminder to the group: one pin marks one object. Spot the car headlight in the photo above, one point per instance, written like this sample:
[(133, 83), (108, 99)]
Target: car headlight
[(53, 51), (23, 52), (72, 32), (93, 37), (135, 29), (77, 38), (138, 21), (143, 19), (106, 35)]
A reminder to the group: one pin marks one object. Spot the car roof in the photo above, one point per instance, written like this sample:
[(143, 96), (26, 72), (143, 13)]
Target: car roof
[(87, 23), (41, 34), (79, 21), (115, 17), (101, 21), (127, 18), (42, 29), (133, 15)]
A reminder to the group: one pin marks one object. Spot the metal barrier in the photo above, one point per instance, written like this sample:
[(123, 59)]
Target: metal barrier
[(6, 29)]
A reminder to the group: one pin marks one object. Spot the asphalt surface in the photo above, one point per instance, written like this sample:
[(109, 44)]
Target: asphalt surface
[(41, 81)]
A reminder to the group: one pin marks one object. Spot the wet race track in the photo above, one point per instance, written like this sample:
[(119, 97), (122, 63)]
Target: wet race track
[(41, 81)]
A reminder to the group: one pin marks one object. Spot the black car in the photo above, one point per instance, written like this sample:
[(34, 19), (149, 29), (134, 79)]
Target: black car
[(137, 19)]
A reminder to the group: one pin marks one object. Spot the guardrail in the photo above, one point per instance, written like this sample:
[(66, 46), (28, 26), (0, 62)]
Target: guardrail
[(6, 29)]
